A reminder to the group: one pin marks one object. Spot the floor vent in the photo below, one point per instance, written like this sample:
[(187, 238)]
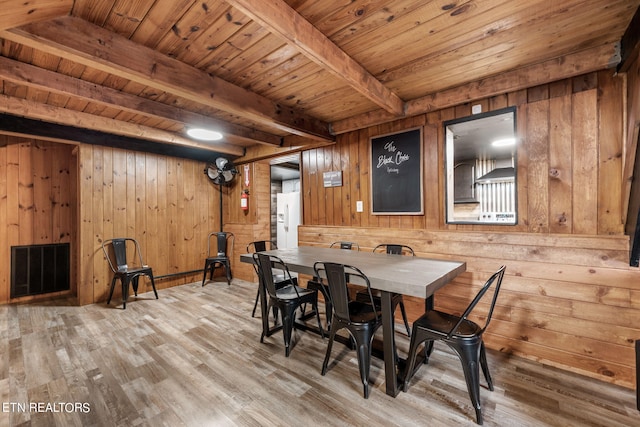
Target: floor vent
[(39, 269)]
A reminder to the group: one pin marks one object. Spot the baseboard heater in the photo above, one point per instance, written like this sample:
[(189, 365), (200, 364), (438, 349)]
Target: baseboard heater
[(39, 269)]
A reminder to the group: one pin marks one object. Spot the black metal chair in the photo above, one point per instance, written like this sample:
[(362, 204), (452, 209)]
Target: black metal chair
[(396, 299), (224, 242), (317, 283), (462, 335), (279, 279), (346, 245), (287, 299), (115, 251), (360, 319)]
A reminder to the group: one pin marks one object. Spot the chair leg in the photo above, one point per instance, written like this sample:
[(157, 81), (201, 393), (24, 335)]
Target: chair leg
[(227, 270), (287, 327), (469, 356), (332, 335), (153, 285), (255, 305), (315, 307), (113, 285), (485, 367), (204, 275), (404, 317), (134, 284), (364, 362), (428, 349), (411, 359), (125, 291)]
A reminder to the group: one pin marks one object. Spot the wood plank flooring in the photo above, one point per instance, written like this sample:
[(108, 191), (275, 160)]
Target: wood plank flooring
[(193, 358)]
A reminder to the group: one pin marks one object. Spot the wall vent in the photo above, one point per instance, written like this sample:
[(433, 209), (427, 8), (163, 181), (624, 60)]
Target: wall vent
[(39, 269)]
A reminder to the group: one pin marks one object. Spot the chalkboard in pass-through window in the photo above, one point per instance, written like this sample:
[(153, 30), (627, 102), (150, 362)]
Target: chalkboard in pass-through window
[(396, 173)]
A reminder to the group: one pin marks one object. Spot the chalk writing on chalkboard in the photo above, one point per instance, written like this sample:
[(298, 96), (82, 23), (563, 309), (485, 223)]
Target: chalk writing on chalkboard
[(396, 173)]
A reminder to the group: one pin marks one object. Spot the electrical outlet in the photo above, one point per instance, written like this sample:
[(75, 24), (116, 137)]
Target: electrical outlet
[(359, 206)]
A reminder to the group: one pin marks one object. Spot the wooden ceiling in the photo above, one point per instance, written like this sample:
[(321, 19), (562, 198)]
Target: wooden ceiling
[(285, 73)]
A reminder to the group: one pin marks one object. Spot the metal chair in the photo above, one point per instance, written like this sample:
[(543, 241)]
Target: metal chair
[(115, 251), (224, 241), (360, 319), (346, 245), (396, 299), (317, 283), (279, 279), (287, 299), (462, 335)]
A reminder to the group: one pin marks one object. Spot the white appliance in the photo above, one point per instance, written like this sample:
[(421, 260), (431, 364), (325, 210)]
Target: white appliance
[(288, 219)]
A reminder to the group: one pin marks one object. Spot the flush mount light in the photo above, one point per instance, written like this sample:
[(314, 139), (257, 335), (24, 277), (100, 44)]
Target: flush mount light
[(504, 142), (204, 134)]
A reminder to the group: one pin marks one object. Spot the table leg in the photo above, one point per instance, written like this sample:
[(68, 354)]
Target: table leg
[(389, 345)]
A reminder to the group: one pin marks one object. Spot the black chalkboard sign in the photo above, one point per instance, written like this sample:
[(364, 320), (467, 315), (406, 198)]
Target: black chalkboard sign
[(396, 173)]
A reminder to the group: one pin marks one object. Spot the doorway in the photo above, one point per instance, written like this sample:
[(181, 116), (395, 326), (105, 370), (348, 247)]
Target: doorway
[(286, 202)]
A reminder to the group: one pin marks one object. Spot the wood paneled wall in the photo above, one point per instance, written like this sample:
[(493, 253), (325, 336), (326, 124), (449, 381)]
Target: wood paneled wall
[(569, 163), (166, 203), (569, 301), (37, 199), (569, 298), (253, 224)]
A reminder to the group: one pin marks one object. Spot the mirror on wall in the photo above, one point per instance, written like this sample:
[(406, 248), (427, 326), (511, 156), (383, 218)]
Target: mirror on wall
[(481, 168)]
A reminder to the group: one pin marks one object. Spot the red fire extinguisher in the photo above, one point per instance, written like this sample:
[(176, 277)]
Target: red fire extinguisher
[(244, 200)]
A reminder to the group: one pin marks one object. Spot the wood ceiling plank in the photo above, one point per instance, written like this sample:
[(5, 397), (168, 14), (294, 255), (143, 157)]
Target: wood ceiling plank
[(189, 26), (94, 11), (598, 58), (284, 21), (15, 13), (220, 57), (126, 16), (481, 60), (155, 26), (95, 47), (39, 78)]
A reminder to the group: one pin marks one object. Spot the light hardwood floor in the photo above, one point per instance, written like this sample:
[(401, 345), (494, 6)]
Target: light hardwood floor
[(193, 358)]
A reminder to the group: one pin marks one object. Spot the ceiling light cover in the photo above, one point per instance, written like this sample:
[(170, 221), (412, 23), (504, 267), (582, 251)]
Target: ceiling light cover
[(204, 134), (504, 142)]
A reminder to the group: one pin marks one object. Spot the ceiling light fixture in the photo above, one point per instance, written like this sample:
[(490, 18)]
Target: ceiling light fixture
[(504, 142), (204, 134)]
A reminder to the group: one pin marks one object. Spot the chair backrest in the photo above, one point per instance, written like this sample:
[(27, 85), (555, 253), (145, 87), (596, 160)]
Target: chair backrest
[(115, 251), (496, 278), (335, 276), (260, 246), (395, 249), (265, 265), (224, 240), (346, 245)]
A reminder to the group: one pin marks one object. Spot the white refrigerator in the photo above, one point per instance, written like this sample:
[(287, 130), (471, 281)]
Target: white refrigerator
[(288, 219)]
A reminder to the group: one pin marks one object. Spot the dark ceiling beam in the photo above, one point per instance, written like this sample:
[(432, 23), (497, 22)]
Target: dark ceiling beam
[(63, 116), (25, 127), (280, 19), (95, 47)]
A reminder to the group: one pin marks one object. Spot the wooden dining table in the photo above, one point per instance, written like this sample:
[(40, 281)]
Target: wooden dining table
[(390, 274)]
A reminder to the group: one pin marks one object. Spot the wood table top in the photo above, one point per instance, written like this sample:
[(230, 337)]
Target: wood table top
[(407, 275)]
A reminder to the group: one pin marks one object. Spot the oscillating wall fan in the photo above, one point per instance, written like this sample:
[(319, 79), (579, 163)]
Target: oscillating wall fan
[(221, 173)]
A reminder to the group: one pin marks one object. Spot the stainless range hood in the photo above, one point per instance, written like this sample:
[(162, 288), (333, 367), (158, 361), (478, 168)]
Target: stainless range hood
[(498, 175)]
